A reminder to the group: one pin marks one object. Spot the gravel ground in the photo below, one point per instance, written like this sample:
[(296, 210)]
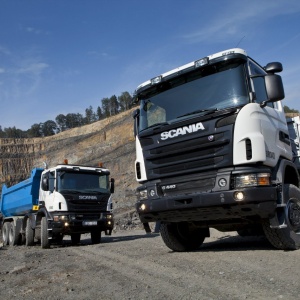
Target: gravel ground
[(133, 265)]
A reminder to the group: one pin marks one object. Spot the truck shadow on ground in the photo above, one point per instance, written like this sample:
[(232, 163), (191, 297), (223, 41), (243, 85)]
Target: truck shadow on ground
[(108, 239), (237, 243)]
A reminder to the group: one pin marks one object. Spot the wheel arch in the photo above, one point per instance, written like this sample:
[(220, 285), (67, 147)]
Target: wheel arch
[(286, 173)]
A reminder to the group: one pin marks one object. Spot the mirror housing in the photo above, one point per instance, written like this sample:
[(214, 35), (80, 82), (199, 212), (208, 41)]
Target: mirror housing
[(112, 185), (45, 183), (273, 67), (274, 87), (136, 116)]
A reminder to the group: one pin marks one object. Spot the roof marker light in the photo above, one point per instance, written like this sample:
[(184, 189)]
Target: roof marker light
[(201, 62), (156, 80)]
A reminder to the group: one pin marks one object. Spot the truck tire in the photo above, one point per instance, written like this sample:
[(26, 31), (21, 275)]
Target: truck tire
[(96, 237), (181, 237), (287, 238), (5, 233), (29, 234), (75, 238), (13, 235), (45, 242)]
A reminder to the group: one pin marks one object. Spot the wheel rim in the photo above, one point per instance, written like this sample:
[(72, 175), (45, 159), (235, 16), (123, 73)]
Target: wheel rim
[(294, 216)]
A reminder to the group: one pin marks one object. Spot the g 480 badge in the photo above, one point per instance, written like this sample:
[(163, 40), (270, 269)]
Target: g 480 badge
[(168, 187)]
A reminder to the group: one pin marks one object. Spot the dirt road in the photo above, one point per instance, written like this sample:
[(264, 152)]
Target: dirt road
[(132, 265)]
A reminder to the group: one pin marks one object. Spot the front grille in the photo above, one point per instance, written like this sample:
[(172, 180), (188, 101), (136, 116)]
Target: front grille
[(94, 206), (190, 153)]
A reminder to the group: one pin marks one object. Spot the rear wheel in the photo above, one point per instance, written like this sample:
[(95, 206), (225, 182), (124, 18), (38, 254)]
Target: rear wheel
[(287, 237), (96, 237), (45, 242), (29, 234), (75, 238), (5, 233), (182, 236), (13, 235)]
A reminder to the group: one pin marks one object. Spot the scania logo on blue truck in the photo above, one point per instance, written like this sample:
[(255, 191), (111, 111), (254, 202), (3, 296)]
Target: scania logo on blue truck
[(181, 131), (87, 197)]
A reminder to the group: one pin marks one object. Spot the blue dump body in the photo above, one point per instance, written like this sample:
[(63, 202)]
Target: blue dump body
[(18, 199)]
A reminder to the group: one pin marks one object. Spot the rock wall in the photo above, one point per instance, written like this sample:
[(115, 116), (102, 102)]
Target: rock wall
[(109, 141)]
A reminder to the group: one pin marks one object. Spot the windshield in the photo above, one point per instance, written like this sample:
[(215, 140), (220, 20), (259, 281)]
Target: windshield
[(206, 90), (80, 182)]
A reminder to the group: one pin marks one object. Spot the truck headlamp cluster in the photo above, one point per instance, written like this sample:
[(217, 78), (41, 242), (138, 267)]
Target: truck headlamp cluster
[(142, 194), (255, 179), (60, 218)]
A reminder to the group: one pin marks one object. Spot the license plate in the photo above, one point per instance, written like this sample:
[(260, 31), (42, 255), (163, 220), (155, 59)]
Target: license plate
[(89, 223)]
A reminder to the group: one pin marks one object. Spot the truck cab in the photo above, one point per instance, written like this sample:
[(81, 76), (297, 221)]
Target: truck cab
[(213, 150)]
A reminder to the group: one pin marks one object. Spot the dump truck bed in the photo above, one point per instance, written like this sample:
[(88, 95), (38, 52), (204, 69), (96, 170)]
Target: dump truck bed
[(19, 199)]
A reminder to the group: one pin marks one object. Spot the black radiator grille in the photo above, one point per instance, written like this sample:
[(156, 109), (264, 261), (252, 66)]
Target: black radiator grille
[(94, 206), (189, 153)]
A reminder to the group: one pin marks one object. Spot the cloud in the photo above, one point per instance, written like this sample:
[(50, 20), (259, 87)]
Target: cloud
[(2, 70), (35, 68), (237, 18)]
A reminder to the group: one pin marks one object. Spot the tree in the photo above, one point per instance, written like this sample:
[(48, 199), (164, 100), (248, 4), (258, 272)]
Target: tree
[(61, 122), (74, 120), (99, 113), (90, 116), (290, 110), (48, 128), (124, 101), (114, 104), (106, 107), (13, 132), (34, 131)]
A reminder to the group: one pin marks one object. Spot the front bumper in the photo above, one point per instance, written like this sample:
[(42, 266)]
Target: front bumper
[(80, 223), (210, 207)]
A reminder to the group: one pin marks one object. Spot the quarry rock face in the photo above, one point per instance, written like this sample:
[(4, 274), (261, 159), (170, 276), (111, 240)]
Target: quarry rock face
[(109, 141)]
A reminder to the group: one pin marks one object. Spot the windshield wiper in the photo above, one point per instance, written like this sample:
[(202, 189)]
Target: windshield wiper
[(198, 111), (69, 191), (156, 125)]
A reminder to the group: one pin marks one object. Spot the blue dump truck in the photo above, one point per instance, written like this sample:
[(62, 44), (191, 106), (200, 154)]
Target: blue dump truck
[(63, 200)]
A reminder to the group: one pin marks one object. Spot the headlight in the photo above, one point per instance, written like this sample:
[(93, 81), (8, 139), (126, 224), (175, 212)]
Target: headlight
[(255, 179), (60, 218), (142, 194)]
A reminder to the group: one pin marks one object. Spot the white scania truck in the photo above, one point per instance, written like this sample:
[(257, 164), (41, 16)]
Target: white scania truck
[(63, 200), (213, 150)]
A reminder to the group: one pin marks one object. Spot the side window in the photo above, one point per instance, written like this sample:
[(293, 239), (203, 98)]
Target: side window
[(259, 83)]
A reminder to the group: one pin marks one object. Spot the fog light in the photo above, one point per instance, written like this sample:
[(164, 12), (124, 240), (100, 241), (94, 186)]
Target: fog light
[(239, 196), (66, 224), (109, 222), (143, 207)]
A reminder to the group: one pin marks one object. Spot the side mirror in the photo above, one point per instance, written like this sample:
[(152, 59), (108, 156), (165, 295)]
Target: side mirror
[(136, 116), (45, 183), (274, 87), (112, 185), (273, 67)]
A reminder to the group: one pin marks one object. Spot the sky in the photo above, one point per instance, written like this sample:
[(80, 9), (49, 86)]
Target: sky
[(62, 56)]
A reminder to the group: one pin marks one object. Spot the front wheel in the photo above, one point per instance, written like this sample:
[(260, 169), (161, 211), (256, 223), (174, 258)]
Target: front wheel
[(182, 236), (45, 243), (5, 233), (287, 237)]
